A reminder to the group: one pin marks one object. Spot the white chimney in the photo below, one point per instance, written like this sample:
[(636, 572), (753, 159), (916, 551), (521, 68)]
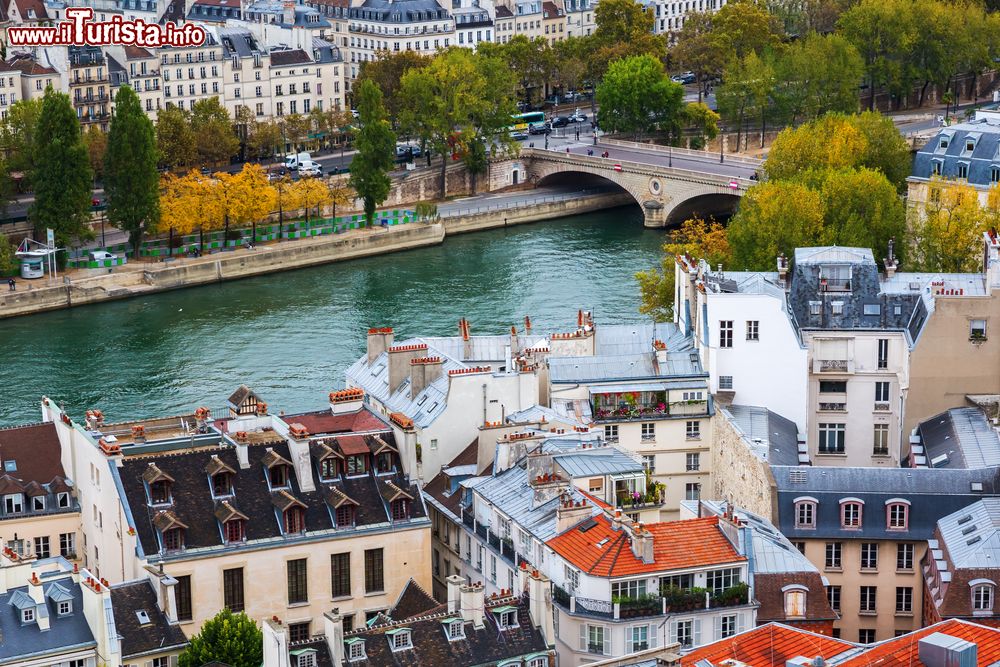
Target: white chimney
[(455, 584), (347, 400), (473, 604), (298, 450), (35, 589), (333, 628), (540, 605), (275, 643)]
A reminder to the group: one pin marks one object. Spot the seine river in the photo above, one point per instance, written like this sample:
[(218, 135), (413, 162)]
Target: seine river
[(290, 336)]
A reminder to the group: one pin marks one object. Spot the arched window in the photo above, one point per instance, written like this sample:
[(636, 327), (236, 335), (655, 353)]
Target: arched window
[(850, 512), (805, 512), (982, 595), (897, 514), (795, 600)]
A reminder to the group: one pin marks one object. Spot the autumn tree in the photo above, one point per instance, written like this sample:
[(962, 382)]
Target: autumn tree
[(775, 217), (341, 194), (950, 228), (255, 197), (370, 166), (214, 139), (131, 180), (96, 142), (636, 96), (386, 71), (295, 129), (699, 238), (175, 140), (62, 173), (311, 194), (285, 199), (862, 209), (178, 200), (264, 139)]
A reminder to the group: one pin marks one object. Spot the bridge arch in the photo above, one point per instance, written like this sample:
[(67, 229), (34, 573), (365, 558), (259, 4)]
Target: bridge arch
[(717, 205)]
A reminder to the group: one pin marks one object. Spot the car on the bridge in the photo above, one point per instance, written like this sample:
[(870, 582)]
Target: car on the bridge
[(539, 128), (578, 117), (560, 121)]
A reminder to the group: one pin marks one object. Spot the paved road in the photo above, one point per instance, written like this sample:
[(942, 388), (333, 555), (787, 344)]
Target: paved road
[(467, 205)]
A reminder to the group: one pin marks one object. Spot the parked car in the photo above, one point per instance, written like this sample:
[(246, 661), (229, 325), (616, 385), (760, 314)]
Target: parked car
[(684, 78), (519, 136), (578, 117), (560, 121), (403, 151), (101, 255), (539, 128), (415, 150), (310, 168), (294, 161), (276, 175)]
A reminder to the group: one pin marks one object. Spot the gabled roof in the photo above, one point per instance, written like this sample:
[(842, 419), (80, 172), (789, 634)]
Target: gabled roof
[(217, 465), (769, 645), (413, 601), (599, 550), (226, 512)]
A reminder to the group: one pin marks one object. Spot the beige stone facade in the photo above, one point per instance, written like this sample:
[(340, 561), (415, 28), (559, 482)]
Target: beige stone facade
[(739, 475)]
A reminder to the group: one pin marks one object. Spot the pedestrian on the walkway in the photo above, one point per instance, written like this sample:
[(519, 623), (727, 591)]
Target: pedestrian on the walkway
[(578, 135), (12, 284)]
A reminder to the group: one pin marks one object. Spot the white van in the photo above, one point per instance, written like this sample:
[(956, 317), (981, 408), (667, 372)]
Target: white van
[(310, 168), (293, 161)]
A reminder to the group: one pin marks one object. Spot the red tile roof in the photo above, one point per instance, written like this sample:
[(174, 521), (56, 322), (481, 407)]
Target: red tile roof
[(137, 52), (324, 421), (904, 651), (769, 645), (676, 544)]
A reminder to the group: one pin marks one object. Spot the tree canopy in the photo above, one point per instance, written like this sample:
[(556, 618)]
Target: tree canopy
[(227, 638), (375, 144)]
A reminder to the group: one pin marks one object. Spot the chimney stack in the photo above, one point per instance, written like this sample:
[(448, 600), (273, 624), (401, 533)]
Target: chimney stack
[(333, 628), (463, 330), (423, 371), (379, 341), (891, 263), (275, 643), (346, 400), (527, 325), (473, 604), (298, 451), (782, 268), (642, 543), (455, 584), (660, 348), (540, 605), (570, 512), (616, 523), (399, 363), (514, 349)]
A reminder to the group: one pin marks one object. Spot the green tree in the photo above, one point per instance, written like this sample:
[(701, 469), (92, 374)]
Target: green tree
[(746, 92), (696, 50), (816, 75), (263, 139), (174, 138), (570, 62), (884, 33), (96, 141), (228, 638), (386, 71), (885, 148), (950, 228), (636, 96), (131, 180), (9, 264), (62, 174), (214, 139), (456, 99), (701, 239), (19, 137), (862, 209), (704, 121), (624, 29), (775, 217), (532, 59), (375, 143)]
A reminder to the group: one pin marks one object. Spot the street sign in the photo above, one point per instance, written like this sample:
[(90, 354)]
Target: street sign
[(735, 185), (618, 167)]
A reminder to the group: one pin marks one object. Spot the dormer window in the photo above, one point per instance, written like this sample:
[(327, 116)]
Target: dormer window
[(328, 468), (850, 513), (506, 617), (62, 500), (222, 485), (805, 512), (173, 539), (294, 519), (400, 640), (345, 516), (38, 504), (357, 464), (28, 615), (897, 514), (64, 608), (936, 167), (306, 659), (278, 476), (795, 601), (945, 139), (400, 509), (455, 628), (982, 596), (235, 530), (962, 170), (355, 649), (970, 145), (13, 503), (384, 463), (159, 493)]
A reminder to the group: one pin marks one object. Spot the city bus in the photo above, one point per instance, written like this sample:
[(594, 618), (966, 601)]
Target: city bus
[(522, 121)]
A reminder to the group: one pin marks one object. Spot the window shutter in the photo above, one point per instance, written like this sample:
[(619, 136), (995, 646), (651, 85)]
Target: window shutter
[(654, 635), (697, 631), (628, 641), (606, 636), (740, 622), (716, 628), (673, 631), (583, 637)]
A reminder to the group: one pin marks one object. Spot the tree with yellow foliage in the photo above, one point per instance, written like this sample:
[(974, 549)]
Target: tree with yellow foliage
[(698, 238), (950, 228), (255, 199), (775, 217), (186, 203), (285, 199), (311, 193), (340, 194)]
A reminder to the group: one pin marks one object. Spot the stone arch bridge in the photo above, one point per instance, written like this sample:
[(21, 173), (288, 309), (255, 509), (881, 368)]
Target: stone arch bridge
[(670, 185)]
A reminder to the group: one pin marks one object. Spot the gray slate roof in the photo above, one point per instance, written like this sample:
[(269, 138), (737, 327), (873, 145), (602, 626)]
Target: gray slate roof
[(960, 438), (771, 437), (399, 11), (17, 641), (932, 493), (598, 461), (985, 155), (772, 551), (972, 535)]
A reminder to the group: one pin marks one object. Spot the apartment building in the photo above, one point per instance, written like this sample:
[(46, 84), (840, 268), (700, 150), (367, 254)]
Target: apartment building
[(246, 73), (192, 74), (867, 531), (504, 24), (35, 76), (319, 497), (54, 613), (90, 85), (10, 87), (553, 22), (40, 515), (294, 81), (139, 69), (580, 18), (645, 387), (397, 25), (470, 629), (671, 14), (472, 26), (438, 391)]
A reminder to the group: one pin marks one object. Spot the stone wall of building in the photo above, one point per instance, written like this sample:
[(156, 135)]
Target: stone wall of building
[(738, 474)]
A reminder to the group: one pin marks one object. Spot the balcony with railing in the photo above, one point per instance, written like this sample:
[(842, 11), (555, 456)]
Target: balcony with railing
[(642, 405), (669, 600)]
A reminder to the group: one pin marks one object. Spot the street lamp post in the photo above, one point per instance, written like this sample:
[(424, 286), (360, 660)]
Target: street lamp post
[(722, 143)]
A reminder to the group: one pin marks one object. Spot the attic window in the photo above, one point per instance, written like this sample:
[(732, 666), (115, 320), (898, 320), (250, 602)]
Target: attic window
[(10, 465), (356, 650), (143, 617), (64, 608), (307, 659), (173, 539), (278, 476), (456, 630), (28, 615), (506, 617), (873, 309), (837, 307), (328, 468), (159, 492), (221, 485), (400, 640), (814, 307), (944, 141)]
